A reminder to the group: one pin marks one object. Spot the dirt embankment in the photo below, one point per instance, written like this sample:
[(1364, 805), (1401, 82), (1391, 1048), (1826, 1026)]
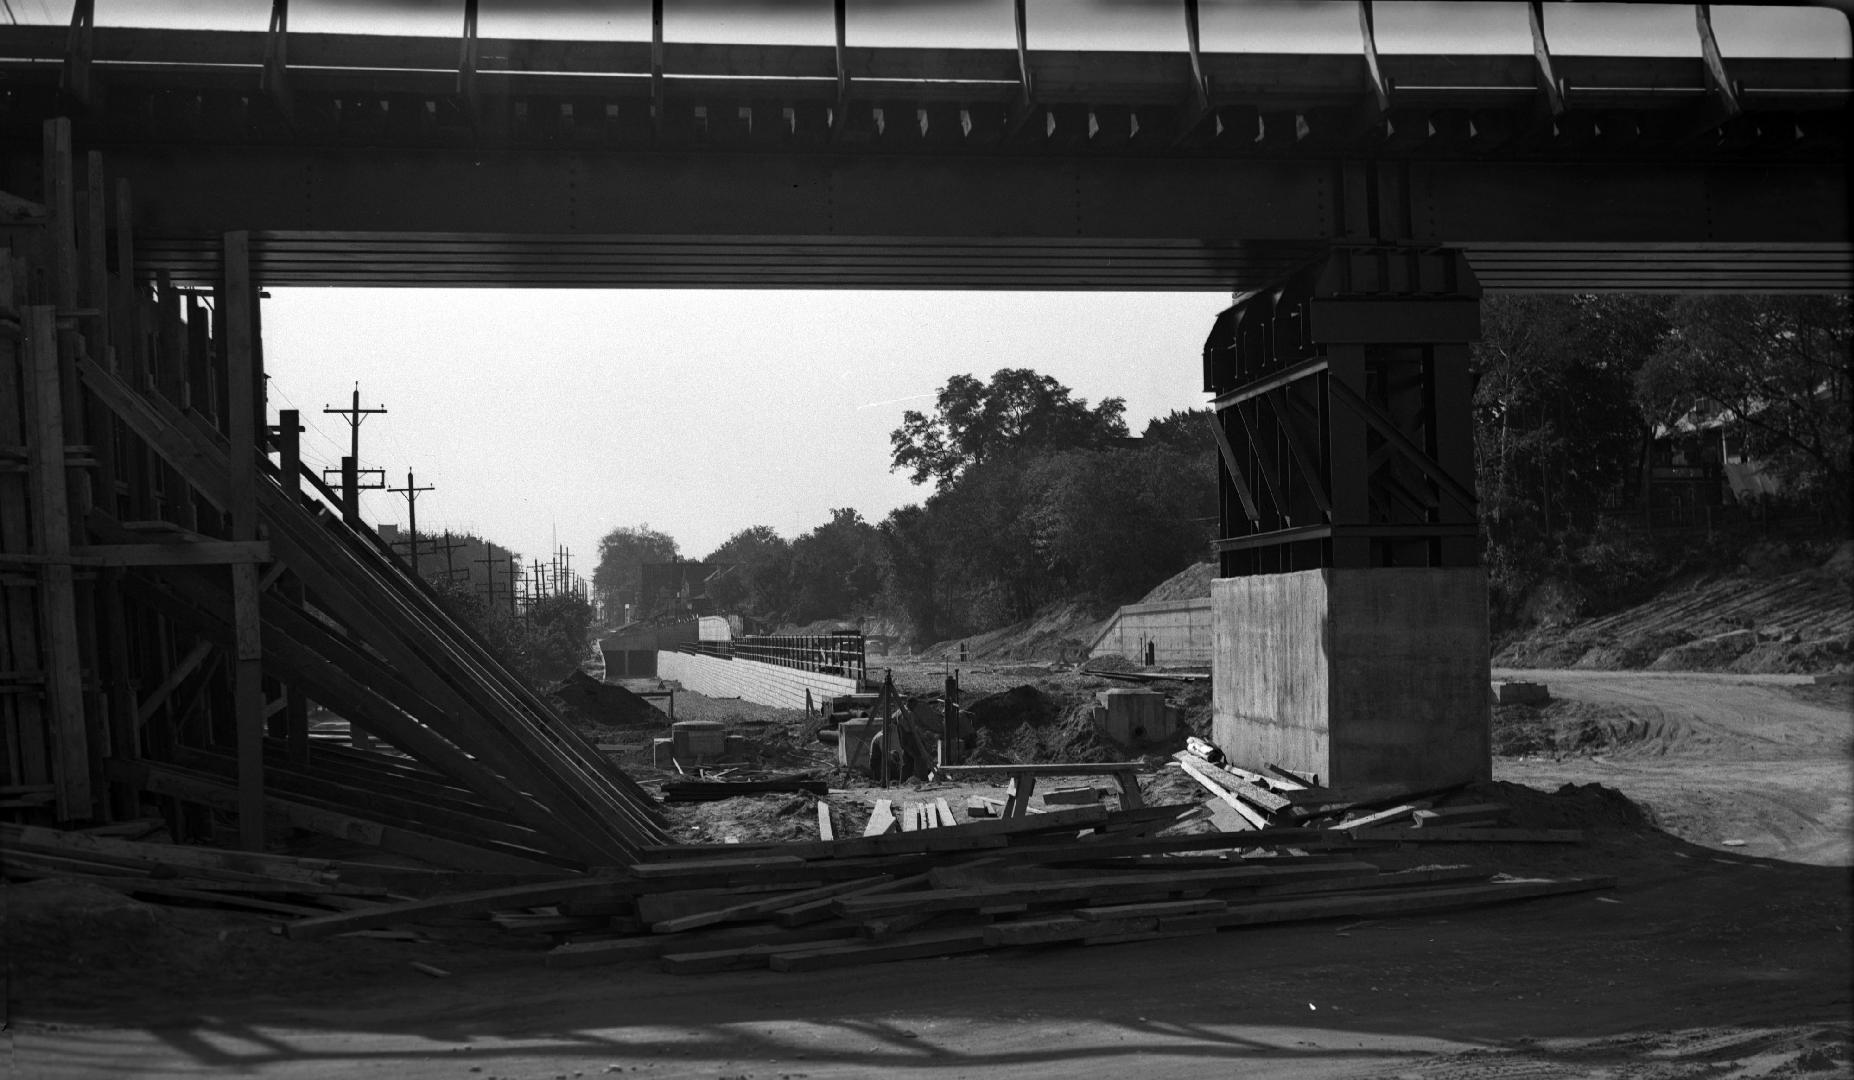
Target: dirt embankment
[(1761, 764), (1778, 613)]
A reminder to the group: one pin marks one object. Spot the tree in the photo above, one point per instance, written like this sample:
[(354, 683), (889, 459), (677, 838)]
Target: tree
[(1555, 419), (760, 581), (1776, 367), (1017, 411), (1112, 523), (621, 553), (1184, 430), (836, 567)]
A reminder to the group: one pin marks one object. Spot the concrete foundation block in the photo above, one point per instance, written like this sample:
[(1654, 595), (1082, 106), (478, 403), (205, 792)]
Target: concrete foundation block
[(662, 753), (853, 738), (1521, 693), (698, 740), (1130, 717), (1360, 676)]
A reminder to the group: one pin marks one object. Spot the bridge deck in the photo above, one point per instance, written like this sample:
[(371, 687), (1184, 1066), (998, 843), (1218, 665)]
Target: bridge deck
[(376, 160)]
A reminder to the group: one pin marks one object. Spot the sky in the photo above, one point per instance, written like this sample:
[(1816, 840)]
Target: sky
[(544, 413), (546, 418)]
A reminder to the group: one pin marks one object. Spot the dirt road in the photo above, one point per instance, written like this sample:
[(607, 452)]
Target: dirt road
[(1743, 758)]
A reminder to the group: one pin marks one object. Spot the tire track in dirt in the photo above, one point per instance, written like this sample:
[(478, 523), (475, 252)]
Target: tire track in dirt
[(1715, 757)]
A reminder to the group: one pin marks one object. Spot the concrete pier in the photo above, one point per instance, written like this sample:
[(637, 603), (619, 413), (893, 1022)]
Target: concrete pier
[(1360, 676)]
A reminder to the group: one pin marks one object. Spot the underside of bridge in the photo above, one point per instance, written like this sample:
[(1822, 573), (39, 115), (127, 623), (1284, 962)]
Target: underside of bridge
[(1356, 205)]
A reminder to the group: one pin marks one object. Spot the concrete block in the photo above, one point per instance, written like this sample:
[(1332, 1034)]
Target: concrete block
[(1130, 717), (1360, 676), (1520, 693), (735, 747), (1074, 796), (698, 740), (662, 753), (853, 739)]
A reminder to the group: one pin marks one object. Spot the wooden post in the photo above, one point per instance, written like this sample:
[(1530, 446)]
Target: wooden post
[(951, 748), (350, 491), (888, 732), (70, 750), (242, 421)]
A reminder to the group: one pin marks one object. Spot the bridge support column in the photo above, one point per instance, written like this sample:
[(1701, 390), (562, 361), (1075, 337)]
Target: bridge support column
[(1350, 609)]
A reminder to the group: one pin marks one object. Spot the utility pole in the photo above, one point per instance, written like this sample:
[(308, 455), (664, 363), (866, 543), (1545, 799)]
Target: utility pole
[(447, 546), (489, 560), (410, 491), (351, 486)]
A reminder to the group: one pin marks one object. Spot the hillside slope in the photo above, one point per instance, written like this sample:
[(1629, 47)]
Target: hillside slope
[(1801, 622)]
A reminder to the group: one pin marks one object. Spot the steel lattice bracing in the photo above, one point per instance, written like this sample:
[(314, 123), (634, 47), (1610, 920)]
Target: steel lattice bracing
[(1342, 416), (380, 160)]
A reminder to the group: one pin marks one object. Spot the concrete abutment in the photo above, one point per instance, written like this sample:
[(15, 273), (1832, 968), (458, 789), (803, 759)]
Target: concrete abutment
[(1350, 617)]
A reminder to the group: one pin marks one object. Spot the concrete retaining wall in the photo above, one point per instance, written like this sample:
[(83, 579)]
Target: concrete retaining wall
[(1360, 676), (1181, 632), (749, 680)]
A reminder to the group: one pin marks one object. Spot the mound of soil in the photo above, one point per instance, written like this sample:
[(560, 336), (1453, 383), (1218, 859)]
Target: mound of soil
[(1028, 725), (605, 703), (1708, 653), (1191, 583), (1785, 657), (1565, 729), (745, 818), (1573, 806)]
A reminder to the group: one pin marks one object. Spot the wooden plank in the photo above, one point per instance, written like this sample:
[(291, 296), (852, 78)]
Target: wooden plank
[(213, 792), (273, 867), (1077, 768), (881, 820), (64, 695), (825, 829), (1065, 928), (661, 904), (242, 426), (945, 814), (1156, 909), (769, 906), (705, 867), (1253, 794), (526, 741), (820, 910), (914, 947), (1196, 771), (1403, 902), (1462, 815), (189, 553), (1383, 816), (651, 946), (553, 892), (1292, 778), (1126, 888), (1017, 795), (1439, 834), (22, 717), (910, 817)]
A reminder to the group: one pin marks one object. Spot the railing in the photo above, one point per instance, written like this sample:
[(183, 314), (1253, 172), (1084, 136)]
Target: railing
[(832, 654)]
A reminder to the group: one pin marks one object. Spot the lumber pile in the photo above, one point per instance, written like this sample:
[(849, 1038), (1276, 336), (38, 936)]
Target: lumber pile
[(1274, 797), (1083, 875), (279, 885)]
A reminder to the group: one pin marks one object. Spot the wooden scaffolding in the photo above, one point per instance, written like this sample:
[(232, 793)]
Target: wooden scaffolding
[(176, 589)]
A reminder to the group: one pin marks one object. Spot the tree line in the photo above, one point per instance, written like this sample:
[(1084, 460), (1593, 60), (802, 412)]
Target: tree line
[(1035, 495)]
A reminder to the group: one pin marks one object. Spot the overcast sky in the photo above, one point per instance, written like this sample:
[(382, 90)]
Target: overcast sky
[(544, 414), (698, 412)]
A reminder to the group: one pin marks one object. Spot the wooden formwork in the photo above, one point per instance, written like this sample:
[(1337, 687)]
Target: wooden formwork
[(175, 589)]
